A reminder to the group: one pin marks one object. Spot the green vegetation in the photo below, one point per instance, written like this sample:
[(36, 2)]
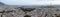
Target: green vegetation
[(27, 16), (45, 15), (27, 9)]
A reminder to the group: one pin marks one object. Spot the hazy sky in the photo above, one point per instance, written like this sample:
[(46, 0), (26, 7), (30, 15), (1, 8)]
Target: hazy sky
[(31, 2)]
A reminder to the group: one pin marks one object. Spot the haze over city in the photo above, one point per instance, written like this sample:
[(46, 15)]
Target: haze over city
[(30, 2)]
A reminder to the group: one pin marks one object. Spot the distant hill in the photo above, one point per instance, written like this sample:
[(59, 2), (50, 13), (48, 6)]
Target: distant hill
[(40, 6), (1, 3), (2, 7)]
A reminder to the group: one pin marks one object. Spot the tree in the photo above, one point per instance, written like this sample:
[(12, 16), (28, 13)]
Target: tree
[(27, 9), (4, 12), (27, 16), (45, 15)]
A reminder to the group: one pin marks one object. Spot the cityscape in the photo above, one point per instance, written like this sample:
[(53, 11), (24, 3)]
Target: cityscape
[(29, 8), (29, 11)]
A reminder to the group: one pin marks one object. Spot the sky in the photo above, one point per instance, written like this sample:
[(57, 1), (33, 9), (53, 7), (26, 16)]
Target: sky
[(30, 2)]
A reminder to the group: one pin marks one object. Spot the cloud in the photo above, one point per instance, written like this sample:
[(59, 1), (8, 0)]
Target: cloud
[(31, 2)]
